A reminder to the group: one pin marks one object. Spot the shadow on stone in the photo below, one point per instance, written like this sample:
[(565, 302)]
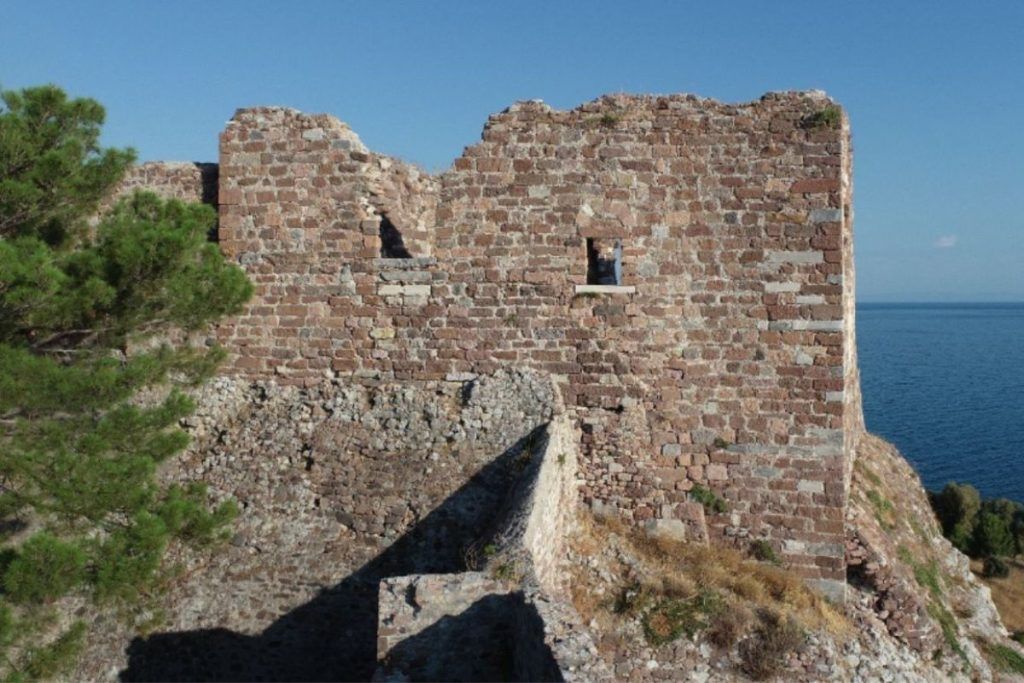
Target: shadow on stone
[(391, 243), (498, 638), (532, 658), (332, 637), (476, 645)]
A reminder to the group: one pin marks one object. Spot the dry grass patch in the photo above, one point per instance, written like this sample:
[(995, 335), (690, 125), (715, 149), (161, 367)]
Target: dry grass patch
[(764, 654), (729, 626), (1007, 594), (678, 588)]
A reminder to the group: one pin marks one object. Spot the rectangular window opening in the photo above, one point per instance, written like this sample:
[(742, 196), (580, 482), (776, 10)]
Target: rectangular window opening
[(604, 261)]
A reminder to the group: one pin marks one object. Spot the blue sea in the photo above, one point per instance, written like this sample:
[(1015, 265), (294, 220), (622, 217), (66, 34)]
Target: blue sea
[(945, 383)]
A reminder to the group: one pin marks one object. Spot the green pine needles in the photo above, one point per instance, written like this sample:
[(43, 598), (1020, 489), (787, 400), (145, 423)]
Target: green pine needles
[(86, 308)]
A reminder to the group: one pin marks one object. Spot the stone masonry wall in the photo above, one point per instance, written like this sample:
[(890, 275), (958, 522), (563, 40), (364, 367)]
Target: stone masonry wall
[(187, 181), (301, 207), (511, 621), (725, 365), (853, 413), (724, 358), (541, 510)]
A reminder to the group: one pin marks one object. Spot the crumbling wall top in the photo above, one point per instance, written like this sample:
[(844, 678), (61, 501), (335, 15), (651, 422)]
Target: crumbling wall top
[(274, 121)]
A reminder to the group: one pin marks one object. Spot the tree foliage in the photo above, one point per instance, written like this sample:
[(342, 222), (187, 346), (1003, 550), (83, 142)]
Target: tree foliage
[(957, 508), (86, 308), (980, 528)]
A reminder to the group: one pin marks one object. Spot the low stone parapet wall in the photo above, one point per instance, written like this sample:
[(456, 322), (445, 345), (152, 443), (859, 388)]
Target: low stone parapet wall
[(508, 621), (540, 511)]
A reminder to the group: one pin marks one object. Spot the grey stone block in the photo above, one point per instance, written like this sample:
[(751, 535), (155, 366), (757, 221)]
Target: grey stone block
[(671, 529), (826, 215), (798, 257)]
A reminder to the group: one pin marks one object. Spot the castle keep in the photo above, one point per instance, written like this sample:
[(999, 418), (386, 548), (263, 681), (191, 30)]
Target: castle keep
[(681, 268)]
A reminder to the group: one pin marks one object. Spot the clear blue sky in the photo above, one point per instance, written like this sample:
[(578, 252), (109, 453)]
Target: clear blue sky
[(935, 91)]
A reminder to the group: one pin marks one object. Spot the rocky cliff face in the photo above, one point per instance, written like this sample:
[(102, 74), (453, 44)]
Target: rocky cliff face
[(913, 611), (908, 582)]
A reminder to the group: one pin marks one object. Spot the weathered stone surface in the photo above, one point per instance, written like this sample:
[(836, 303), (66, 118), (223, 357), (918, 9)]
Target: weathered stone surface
[(341, 484), (191, 182), (446, 627), (510, 622), (671, 529)]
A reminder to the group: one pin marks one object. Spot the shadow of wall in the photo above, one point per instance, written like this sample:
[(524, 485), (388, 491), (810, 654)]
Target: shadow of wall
[(333, 636)]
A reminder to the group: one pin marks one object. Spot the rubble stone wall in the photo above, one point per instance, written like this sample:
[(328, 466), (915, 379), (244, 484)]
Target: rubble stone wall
[(340, 486), (724, 357), (187, 181)]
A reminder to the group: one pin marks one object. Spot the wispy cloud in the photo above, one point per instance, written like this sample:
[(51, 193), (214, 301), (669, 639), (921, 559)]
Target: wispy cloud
[(945, 242)]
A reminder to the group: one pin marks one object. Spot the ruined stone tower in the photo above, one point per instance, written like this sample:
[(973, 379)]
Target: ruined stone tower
[(683, 269)]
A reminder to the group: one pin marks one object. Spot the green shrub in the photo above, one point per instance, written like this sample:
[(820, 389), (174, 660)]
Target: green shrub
[(957, 507), (185, 514), (995, 568), (829, 117), (979, 528), (605, 120), (7, 627), (992, 536), (763, 551), (129, 558), (46, 662), (78, 453), (670, 618), (505, 571), (45, 568), (708, 498), (631, 600)]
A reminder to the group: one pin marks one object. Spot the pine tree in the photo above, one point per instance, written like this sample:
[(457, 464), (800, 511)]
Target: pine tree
[(86, 308), (995, 535)]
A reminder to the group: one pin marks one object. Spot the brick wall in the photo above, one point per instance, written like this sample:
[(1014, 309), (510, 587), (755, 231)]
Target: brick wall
[(726, 358)]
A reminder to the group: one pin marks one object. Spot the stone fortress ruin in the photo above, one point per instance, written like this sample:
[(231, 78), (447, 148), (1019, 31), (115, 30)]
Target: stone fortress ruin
[(676, 273)]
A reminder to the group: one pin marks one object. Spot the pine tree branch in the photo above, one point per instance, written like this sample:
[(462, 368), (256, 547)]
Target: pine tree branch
[(57, 336)]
